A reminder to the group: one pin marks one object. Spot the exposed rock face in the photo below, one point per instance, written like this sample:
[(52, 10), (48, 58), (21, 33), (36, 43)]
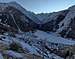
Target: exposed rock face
[(67, 25), (62, 22), (38, 44), (14, 18), (12, 14), (52, 23)]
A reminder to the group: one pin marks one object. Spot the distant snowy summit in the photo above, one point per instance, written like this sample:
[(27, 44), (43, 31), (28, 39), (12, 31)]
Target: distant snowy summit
[(14, 18)]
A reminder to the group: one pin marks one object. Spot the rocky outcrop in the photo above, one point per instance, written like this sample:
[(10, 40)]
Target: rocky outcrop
[(62, 22), (17, 17), (66, 26), (14, 18), (52, 23)]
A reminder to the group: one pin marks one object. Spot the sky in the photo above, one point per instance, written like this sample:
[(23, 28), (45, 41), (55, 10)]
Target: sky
[(44, 6)]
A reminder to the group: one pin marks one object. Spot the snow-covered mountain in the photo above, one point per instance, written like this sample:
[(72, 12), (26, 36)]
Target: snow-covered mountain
[(62, 22), (17, 17), (25, 35)]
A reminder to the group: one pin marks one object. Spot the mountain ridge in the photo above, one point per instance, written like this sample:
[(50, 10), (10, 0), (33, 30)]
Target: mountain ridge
[(23, 20)]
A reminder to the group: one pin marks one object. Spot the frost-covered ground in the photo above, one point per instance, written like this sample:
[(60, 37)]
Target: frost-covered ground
[(34, 44)]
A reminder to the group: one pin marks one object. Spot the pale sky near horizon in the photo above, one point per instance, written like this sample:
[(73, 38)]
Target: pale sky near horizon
[(44, 6)]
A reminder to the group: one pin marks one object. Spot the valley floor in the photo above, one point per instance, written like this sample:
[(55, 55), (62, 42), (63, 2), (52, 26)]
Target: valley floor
[(37, 45)]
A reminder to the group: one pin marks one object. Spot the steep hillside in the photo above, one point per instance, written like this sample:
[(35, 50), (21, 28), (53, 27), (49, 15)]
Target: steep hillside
[(21, 20), (17, 17), (61, 22)]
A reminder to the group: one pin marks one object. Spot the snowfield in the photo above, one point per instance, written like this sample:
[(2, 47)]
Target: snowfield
[(52, 38), (25, 35), (33, 43)]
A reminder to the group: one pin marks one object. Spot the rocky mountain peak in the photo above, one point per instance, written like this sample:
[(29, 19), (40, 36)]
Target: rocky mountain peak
[(72, 8)]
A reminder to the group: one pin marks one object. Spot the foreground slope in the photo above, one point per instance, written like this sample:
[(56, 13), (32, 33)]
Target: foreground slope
[(28, 45)]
